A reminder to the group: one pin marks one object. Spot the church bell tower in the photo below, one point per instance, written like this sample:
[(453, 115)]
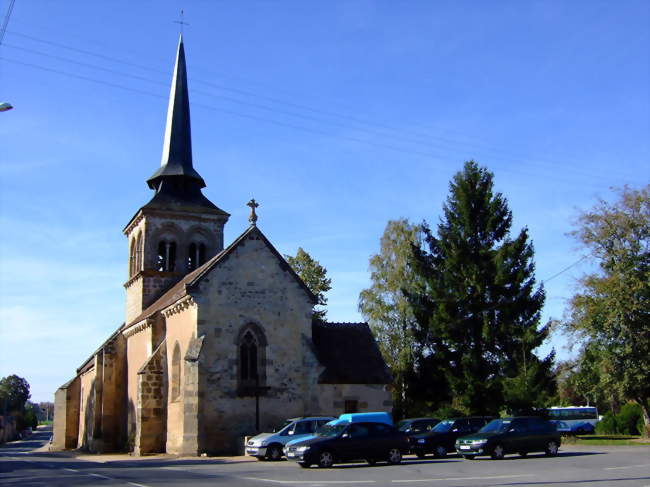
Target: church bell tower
[(179, 229)]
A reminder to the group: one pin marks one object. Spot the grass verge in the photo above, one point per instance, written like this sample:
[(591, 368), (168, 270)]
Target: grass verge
[(607, 440)]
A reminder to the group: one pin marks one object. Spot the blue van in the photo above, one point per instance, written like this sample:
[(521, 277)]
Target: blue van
[(378, 417)]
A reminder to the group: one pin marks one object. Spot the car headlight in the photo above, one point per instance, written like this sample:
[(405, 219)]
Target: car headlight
[(302, 449), (422, 440), (478, 442)]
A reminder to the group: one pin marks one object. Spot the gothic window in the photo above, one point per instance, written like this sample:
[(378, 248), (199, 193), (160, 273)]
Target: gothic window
[(248, 358), (166, 256), (196, 256), (132, 259), (138, 254), (251, 351), (176, 373)]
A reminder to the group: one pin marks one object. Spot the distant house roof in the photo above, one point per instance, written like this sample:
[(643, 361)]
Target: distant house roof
[(180, 289), (349, 353)]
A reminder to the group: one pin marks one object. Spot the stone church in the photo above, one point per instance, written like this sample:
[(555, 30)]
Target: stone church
[(218, 342)]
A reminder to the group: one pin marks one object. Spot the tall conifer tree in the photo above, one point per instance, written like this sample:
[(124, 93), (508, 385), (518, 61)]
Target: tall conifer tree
[(477, 319)]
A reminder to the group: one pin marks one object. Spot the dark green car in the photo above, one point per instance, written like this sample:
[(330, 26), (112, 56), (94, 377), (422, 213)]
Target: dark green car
[(520, 435)]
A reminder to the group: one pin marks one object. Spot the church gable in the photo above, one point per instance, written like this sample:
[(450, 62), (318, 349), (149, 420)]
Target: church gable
[(192, 280)]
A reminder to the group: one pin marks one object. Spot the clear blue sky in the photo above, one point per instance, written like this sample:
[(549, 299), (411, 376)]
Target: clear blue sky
[(335, 116)]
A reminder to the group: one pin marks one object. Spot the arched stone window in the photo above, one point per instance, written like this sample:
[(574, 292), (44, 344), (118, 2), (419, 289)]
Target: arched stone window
[(138, 254), (251, 360), (195, 256), (132, 259), (166, 256), (176, 374)]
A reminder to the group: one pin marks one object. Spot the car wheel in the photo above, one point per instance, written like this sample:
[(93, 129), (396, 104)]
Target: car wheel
[(440, 451), (304, 464), (394, 456), (274, 453), (371, 461), (551, 449), (498, 452), (420, 454), (469, 457), (325, 459), (523, 453)]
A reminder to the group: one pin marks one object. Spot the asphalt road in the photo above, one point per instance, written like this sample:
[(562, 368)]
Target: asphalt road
[(24, 463)]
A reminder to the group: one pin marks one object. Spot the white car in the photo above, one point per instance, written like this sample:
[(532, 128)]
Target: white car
[(268, 446)]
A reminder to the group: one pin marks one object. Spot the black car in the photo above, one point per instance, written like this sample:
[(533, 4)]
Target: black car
[(441, 439), (341, 442), (511, 435), (416, 426)]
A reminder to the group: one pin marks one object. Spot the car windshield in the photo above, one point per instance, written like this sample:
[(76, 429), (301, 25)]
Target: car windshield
[(331, 430), (496, 426), (404, 424), (443, 426), (284, 425)]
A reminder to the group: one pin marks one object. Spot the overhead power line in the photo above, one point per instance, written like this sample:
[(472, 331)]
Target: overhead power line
[(566, 269), (5, 22), (384, 130), (405, 150)]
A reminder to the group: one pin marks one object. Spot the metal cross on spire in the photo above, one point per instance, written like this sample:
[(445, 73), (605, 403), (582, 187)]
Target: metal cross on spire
[(252, 204), (181, 21)]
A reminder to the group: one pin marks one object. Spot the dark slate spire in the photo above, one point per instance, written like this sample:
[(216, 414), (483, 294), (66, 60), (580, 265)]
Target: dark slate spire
[(177, 150), (177, 184)]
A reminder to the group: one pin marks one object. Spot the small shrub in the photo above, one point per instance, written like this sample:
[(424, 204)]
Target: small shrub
[(629, 421), (628, 418), (607, 426)]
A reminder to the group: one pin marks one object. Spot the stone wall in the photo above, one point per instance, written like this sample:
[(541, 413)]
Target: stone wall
[(250, 287), (139, 346), (180, 326), (113, 398), (86, 407), (368, 397), (65, 428), (7, 429), (151, 419)]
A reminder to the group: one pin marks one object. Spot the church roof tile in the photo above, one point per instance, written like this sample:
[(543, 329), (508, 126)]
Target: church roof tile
[(349, 353)]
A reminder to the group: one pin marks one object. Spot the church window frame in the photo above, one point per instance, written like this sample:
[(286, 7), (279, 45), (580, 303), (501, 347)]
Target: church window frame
[(139, 252), (251, 346), (175, 378), (132, 252)]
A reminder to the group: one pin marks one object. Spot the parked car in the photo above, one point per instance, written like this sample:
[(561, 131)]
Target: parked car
[(511, 435), (268, 446), (442, 438), (416, 426), (342, 441), (372, 417)]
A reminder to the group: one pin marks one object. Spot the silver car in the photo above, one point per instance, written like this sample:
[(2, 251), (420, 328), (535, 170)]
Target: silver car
[(268, 446)]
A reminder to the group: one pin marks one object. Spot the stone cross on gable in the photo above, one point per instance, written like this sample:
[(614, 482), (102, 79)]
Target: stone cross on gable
[(252, 204)]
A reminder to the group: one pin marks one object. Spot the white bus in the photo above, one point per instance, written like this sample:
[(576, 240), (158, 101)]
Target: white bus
[(581, 419)]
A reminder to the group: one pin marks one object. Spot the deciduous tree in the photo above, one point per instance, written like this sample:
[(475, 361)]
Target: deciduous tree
[(314, 276), (14, 392), (612, 307), (385, 307)]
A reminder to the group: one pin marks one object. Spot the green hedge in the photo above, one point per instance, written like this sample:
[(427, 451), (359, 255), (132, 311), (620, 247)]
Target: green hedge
[(629, 421)]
